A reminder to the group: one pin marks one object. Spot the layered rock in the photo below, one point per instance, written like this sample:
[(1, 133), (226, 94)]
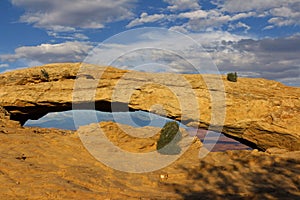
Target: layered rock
[(259, 112)]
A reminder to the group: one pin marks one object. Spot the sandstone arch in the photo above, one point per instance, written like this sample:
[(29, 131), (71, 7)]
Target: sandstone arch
[(258, 111)]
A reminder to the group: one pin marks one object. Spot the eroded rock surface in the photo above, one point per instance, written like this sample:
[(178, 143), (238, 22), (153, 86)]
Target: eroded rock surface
[(38, 163), (260, 112)]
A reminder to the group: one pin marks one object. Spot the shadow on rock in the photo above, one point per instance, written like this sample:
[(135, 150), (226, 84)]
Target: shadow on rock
[(247, 177)]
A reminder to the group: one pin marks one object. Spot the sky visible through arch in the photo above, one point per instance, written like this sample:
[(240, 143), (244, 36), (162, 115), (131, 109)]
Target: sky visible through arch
[(256, 38)]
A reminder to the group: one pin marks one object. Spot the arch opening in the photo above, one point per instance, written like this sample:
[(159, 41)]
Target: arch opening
[(35, 112), (64, 120)]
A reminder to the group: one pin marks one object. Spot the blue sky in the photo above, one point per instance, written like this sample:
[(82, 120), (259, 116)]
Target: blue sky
[(256, 38)]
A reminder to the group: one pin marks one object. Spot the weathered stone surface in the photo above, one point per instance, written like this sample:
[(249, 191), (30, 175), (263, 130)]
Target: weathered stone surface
[(261, 112), (3, 113), (38, 163), (5, 123)]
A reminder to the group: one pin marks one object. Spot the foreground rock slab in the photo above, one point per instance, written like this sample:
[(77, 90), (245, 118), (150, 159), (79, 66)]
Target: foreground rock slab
[(37, 163), (262, 113)]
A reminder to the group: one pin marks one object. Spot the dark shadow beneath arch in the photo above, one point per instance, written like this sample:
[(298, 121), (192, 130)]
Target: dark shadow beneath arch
[(22, 114)]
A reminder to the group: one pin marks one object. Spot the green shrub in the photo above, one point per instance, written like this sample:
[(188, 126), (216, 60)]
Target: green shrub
[(45, 74), (232, 77), (170, 135)]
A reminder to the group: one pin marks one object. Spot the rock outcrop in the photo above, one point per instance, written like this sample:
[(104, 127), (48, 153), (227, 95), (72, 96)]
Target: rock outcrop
[(39, 163), (262, 113)]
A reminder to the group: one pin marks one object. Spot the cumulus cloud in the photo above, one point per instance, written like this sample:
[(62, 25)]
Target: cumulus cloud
[(276, 59), (183, 4), (229, 14), (242, 15), (47, 53), (239, 25), (286, 15), (64, 15), (281, 12), (194, 14), (252, 5), (166, 51), (4, 65), (214, 19), (153, 50), (268, 58), (145, 18), (198, 20)]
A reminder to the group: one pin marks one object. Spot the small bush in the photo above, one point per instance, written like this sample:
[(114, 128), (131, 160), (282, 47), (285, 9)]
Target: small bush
[(232, 77), (45, 74), (170, 135)]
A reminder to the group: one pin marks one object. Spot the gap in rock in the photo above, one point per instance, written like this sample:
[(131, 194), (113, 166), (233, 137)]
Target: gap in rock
[(65, 120)]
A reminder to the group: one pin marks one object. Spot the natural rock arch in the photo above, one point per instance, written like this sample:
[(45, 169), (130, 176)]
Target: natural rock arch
[(258, 111)]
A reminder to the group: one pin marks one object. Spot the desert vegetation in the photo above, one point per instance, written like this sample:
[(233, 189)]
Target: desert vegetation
[(169, 137), (232, 77)]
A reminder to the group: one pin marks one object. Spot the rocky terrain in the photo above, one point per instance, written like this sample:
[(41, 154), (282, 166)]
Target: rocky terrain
[(40, 163)]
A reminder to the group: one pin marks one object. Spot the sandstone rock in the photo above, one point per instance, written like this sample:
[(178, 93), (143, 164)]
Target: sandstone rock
[(3, 113), (275, 150), (6, 122), (259, 112), (39, 163)]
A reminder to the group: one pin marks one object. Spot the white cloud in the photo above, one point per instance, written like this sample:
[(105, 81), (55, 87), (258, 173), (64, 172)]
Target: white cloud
[(155, 49), (183, 4), (242, 15), (239, 25), (180, 29), (268, 27), (201, 20), (194, 14), (232, 13), (278, 21), (281, 12), (213, 38), (213, 20), (4, 65), (145, 18), (276, 59), (286, 15), (68, 36), (65, 15), (47, 53), (231, 52), (269, 58), (70, 16), (252, 5)]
